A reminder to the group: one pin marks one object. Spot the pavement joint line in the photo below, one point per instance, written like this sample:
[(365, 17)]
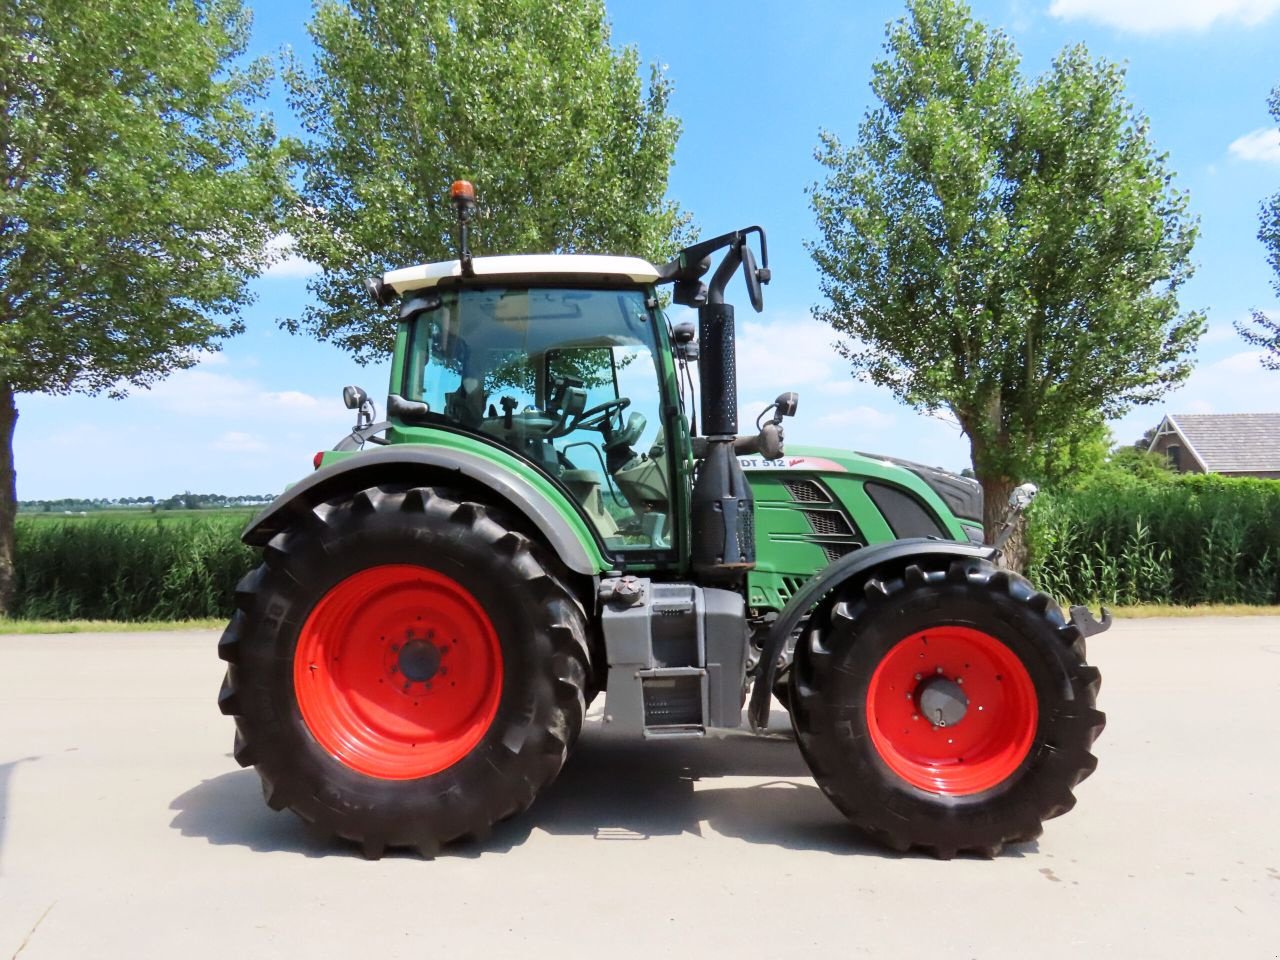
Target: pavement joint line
[(31, 933)]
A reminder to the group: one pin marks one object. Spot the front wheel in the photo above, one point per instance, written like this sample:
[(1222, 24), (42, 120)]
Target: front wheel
[(404, 669), (950, 710)]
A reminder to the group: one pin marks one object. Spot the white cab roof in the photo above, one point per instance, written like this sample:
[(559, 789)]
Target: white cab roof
[(528, 267)]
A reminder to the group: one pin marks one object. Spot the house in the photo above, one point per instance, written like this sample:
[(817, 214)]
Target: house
[(1232, 444)]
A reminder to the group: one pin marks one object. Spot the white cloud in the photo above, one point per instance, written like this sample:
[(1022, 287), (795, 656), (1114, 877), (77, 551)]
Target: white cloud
[(294, 401), (210, 358), (285, 260), (860, 418), (1260, 146), (205, 394), (1158, 16)]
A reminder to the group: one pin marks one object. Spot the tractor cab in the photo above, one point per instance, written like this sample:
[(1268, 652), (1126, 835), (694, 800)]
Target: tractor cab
[(568, 361), (567, 373)]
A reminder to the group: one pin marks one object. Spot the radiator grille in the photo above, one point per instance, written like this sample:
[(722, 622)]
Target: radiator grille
[(830, 523), (806, 491), (835, 551)]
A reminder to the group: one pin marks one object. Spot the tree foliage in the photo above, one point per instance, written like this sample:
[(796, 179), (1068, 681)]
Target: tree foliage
[(139, 191), (140, 188), (1009, 249), (1264, 331), (568, 148)]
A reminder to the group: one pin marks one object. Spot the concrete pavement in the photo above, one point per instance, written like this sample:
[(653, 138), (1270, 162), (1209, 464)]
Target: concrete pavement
[(126, 830)]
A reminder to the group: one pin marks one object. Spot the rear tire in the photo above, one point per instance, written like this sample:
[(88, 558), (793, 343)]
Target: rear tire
[(1005, 666), (340, 679)]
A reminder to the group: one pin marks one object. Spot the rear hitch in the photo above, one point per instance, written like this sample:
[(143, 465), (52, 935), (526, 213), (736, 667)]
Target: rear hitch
[(1084, 621)]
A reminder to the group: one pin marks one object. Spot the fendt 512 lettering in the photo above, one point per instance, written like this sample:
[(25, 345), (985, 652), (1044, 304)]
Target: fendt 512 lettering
[(538, 522)]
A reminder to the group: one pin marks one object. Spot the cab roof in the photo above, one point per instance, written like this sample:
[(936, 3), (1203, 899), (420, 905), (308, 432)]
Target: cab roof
[(529, 268)]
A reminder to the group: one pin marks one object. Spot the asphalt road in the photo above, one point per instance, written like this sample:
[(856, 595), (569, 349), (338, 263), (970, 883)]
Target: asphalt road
[(126, 830)]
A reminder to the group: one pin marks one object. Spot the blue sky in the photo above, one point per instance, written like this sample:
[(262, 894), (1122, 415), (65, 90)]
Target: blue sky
[(754, 83)]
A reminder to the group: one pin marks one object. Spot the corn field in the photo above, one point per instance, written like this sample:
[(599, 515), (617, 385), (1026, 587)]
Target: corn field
[(134, 568), (1189, 540)]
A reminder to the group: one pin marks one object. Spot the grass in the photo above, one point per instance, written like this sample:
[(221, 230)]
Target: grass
[(106, 626), (1146, 611)]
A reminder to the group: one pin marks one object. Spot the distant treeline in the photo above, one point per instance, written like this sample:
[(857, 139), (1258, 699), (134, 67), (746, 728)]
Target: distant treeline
[(179, 501)]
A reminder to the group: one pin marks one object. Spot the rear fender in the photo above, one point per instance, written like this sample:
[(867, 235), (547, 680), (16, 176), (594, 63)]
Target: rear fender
[(402, 463), (851, 570)]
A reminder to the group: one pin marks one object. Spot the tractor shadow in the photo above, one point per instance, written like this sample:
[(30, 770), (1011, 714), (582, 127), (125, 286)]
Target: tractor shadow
[(614, 788), (6, 772), (618, 788)]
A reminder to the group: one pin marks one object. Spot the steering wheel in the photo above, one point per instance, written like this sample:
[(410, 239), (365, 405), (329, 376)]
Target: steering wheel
[(595, 417)]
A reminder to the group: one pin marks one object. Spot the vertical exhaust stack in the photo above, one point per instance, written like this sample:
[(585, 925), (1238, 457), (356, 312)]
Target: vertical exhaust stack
[(722, 514)]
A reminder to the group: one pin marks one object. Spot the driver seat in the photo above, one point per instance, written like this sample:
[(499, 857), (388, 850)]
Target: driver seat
[(466, 404), (585, 487)]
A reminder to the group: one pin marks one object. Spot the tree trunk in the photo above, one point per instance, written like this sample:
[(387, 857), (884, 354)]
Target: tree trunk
[(995, 509), (8, 494)]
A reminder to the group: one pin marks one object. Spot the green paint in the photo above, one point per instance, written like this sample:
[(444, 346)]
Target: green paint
[(505, 462), (786, 554)]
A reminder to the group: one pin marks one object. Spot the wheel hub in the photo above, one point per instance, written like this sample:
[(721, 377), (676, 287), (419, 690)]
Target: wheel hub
[(941, 701), (952, 710), (398, 671), (418, 661)]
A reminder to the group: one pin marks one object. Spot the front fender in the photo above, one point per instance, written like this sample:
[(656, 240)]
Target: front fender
[(551, 513), (855, 568)]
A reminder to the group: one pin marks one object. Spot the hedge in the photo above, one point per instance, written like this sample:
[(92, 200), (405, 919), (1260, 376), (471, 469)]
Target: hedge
[(1186, 540), (140, 568)]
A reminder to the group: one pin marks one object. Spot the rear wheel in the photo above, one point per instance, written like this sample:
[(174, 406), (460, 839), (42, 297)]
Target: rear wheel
[(949, 710), (405, 669)]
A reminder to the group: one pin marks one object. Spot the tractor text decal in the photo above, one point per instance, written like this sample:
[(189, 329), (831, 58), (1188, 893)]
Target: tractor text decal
[(791, 463)]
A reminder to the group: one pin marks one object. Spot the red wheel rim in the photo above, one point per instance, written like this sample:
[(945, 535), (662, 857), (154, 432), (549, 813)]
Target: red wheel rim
[(986, 744), (398, 672)]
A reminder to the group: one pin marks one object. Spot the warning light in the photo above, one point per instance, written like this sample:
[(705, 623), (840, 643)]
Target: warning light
[(462, 190)]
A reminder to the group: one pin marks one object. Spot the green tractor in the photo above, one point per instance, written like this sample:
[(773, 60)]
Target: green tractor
[(539, 521)]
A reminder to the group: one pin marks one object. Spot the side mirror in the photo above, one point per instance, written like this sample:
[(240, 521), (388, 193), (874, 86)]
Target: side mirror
[(754, 277), (354, 397)]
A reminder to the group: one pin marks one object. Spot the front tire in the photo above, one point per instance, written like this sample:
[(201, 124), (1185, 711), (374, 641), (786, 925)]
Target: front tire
[(950, 710), (405, 670)]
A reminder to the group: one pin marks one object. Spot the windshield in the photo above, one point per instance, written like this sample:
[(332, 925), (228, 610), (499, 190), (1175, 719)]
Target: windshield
[(566, 377)]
